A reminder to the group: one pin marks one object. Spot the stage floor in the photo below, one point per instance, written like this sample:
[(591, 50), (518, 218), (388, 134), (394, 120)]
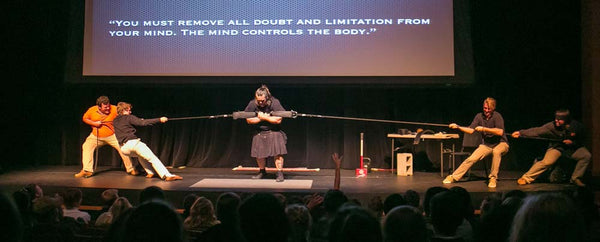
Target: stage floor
[(211, 182)]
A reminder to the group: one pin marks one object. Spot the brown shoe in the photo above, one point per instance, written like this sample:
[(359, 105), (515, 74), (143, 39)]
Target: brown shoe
[(578, 183), (149, 175), (492, 183), (522, 181), (133, 172), (83, 173), (448, 180), (173, 178)]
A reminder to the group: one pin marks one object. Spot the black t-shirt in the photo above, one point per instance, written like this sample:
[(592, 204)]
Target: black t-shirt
[(495, 121), (264, 125), (124, 126)]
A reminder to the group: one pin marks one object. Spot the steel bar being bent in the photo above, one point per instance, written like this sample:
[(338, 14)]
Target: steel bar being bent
[(294, 114)]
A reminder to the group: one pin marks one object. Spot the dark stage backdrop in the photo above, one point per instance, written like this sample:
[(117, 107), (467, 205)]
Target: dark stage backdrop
[(526, 55)]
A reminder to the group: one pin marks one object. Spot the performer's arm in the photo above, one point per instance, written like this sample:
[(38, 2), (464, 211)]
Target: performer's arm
[(87, 119), (267, 117), (494, 131), (461, 128)]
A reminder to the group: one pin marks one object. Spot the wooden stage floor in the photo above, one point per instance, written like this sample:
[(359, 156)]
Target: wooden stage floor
[(210, 182)]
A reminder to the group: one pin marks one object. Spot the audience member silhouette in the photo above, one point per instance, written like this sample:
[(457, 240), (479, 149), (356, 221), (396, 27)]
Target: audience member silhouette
[(446, 214), (151, 193), (108, 197), (495, 225), (119, 207), (72, 200), (263, 219), (354, 223), (300, 222), (10, 221), (404, 223), (469, 224), (332, 201), (376, 206), (48, 226), (202, 216), (152, 221), (548, 217), (413, 198), (429, 193), (228, 230), (187, 203), (393, 200)]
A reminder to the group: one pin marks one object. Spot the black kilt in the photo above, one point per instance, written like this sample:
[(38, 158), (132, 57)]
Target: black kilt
[(268, 143)]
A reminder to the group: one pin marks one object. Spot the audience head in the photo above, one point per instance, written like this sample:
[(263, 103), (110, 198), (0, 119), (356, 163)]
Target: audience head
[(202, 215), (228, 204), (109, 196), (446, 213), (412, 198), (34, 191), (119, 206), (48, 209), (300, 222), (333, 200), (432, 191), (376, 205), (392, 201), (514, 193), (154, 220), (72, 198), (151, 193), (465, 199), (489, 203), (548, 217), (262, 218), (188, 201), (354, 223), (404, 223)]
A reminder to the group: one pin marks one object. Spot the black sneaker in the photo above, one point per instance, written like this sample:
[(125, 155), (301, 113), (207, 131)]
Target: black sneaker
[(279, 177), (260, 175)]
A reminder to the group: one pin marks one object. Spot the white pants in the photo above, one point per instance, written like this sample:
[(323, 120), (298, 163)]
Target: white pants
[(148, 160)]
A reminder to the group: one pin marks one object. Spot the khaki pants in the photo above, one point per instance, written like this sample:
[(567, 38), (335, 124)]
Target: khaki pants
[(90, 144), (581, 155), (481, 152)]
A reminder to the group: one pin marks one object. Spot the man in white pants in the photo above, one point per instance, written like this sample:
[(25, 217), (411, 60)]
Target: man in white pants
[(131, 145)]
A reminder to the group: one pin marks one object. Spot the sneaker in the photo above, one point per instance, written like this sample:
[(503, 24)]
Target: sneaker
[(260, 175), (173, 178), (279, 176), (133, 172), (578, 183), (83, 173), (522, 181), (492, 183), (448, 180)]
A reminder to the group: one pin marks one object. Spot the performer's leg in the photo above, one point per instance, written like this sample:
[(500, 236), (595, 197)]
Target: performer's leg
[(583, 157), (477, 155), (497, 153), (262, 167), (87, 155), (112, 141), (539, 167), (145, 153), (279, 166), (128, 150)]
